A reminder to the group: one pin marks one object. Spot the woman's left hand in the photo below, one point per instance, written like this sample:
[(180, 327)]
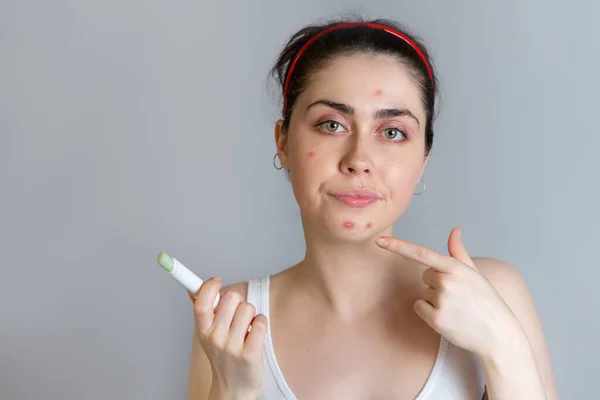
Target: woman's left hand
[(459, 302)]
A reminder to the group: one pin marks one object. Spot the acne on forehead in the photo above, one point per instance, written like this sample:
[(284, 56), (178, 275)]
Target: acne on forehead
[(311, 153), (380, 71)]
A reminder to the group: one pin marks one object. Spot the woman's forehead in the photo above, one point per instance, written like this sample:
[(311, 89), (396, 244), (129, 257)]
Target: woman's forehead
[(364, 82)]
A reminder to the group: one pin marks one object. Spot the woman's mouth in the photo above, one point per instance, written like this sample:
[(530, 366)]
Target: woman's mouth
[(357, 197)]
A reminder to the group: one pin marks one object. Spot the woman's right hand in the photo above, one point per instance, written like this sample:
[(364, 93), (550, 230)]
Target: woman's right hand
[(236, 355)]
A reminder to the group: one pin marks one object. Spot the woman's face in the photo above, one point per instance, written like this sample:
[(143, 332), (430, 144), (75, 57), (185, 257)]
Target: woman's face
[(355, 147)]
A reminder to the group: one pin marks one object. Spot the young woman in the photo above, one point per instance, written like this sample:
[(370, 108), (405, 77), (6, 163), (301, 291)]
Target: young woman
[(365, 315)]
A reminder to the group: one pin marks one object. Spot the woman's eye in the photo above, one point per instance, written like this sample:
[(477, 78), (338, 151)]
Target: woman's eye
[(331, 126), (394, 134)]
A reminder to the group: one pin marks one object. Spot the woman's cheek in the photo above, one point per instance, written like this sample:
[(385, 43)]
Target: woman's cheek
[(401, 180), (310, 159), (310, 169)]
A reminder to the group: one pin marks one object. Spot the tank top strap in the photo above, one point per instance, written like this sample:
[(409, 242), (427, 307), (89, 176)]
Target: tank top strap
[(258, 294)]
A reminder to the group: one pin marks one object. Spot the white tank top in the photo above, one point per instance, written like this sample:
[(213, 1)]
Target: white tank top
[(456, 373)]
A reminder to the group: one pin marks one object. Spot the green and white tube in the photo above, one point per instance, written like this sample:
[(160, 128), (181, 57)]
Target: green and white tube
[(183, 275)]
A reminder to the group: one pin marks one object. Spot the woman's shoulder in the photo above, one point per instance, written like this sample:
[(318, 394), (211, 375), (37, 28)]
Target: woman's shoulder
[(496, 271), (508, 283), (513, 289), (241, 287)]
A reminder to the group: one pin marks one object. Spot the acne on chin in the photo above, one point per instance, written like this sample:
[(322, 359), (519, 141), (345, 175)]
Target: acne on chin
[(351, 224)]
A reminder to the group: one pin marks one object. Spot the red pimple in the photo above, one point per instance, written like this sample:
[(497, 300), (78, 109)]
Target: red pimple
[(378, 93), (369, 225), (311, 153), (348, 224)]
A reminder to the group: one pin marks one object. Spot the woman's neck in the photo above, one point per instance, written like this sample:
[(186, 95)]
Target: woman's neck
[(349, 279)]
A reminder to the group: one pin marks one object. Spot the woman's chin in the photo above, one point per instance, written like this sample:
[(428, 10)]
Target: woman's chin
[(352, 230), (344, 226)]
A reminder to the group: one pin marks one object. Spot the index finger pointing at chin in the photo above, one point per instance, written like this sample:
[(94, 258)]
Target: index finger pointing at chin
[(416, 252)]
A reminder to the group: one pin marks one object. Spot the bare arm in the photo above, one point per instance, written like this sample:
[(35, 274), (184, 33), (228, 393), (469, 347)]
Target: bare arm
[(200, 375), (529, 353)]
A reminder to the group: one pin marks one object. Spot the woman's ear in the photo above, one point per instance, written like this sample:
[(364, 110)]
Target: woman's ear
[(281, 143)]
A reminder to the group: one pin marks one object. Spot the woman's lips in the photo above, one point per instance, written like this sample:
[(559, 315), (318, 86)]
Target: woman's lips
[(356, 201), (357, 197)]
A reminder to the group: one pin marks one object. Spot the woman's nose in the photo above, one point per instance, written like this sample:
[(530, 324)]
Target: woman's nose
[(356, 160)]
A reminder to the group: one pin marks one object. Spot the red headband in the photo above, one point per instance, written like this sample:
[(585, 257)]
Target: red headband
[(349, 25)]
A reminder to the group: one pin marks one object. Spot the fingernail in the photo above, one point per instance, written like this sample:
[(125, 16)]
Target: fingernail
[(216, 278), (382, 242)]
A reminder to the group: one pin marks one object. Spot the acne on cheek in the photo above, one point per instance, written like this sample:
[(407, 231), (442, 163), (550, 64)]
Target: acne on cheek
[(311, 154), (369, 225), (378, 92)]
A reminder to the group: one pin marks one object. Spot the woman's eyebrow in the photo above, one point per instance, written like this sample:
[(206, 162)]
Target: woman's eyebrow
[(343, 108), (349, 110), (396, 112)]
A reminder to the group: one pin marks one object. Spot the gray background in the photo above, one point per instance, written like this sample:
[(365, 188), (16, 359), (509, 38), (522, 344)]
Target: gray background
[(129, 128)]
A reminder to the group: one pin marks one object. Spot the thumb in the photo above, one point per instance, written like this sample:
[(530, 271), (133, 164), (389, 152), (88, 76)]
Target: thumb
[(456, 248)]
